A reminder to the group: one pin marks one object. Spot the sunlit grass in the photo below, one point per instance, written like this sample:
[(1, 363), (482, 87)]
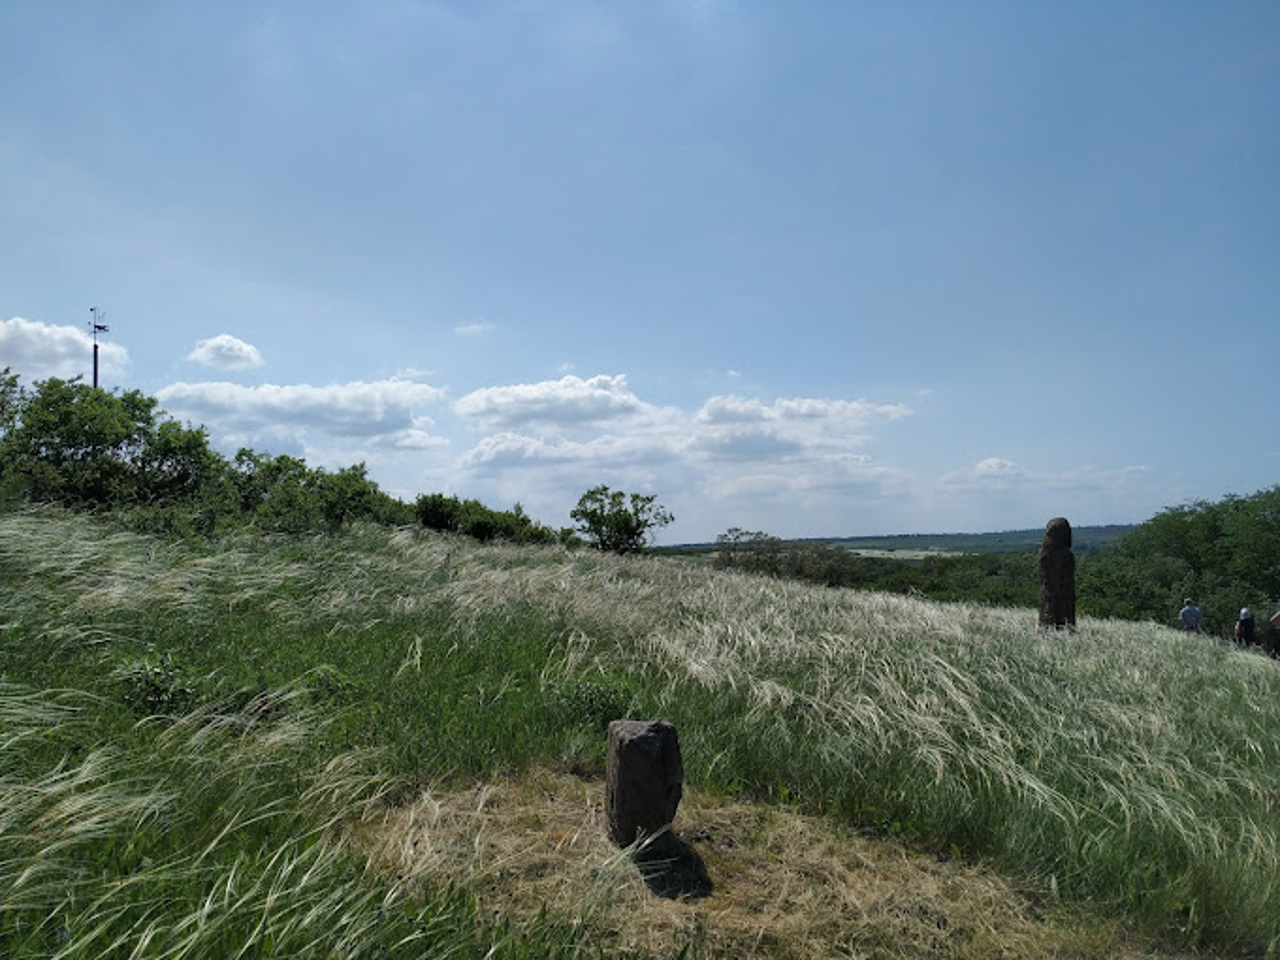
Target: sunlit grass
[(1124, 766)]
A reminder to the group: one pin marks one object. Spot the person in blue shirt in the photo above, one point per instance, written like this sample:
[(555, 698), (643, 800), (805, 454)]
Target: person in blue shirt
[(1189, 615)]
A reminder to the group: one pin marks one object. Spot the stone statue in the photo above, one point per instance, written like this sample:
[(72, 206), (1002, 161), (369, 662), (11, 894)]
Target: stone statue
[(1056, 565)]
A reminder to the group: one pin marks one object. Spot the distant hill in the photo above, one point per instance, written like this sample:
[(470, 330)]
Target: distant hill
[(910, 545), (1084, 540)]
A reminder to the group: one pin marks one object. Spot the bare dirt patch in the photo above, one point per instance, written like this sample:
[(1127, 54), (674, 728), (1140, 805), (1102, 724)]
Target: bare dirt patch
[(781, 885)]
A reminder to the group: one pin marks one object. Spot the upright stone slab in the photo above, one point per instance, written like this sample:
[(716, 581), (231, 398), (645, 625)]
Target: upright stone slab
[(644, 778), (1056, 567)]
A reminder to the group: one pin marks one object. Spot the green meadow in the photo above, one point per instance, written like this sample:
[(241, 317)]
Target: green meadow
[(388, 742)]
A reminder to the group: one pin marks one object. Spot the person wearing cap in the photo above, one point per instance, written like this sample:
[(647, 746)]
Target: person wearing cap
[(1245, 635), (1189, 615)]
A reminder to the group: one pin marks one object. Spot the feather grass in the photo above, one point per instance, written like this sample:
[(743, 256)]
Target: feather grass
[(1123, 764)]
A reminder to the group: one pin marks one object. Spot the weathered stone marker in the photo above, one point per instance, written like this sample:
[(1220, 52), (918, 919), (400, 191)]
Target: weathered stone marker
[(1056, 566), (644, 778)]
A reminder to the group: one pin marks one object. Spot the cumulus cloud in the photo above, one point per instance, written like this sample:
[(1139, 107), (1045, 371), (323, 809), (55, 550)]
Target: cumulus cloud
[(994, 474), (997, 467), (798, 413), (730, 456), (477, 327), (1028, 496), (530, 421), (788, 429), (226, 352), (567, 402), (382, 411), (505, 450), (727, 461), (36, 351)]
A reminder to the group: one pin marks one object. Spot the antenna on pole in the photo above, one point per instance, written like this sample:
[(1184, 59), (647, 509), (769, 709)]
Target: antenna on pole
[(97, 327)]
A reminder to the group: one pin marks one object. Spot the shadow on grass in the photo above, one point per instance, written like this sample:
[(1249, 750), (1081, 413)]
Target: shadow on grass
[(672, 869)]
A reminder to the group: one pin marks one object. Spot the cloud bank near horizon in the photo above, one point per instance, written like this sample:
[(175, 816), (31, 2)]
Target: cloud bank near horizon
[(798, 466)]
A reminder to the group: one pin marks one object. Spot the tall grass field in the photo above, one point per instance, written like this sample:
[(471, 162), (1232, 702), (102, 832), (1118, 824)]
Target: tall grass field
[(212, 749)]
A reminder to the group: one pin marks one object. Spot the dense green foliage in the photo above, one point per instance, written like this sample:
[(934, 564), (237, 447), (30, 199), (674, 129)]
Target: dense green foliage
[(69, 443), (618, 522), (472, 518)]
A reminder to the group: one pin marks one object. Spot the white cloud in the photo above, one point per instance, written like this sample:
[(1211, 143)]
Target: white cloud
[(567, 402), (1027, 497), (37, 351), (387, 411), (731, 456), (748, 444), (991, 474), (733, 409), (504, 450), (226, 353), (795, 429), (997, 467), (849, 413), (477, 327)]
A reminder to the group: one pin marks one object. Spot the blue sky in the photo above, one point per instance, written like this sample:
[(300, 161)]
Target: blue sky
[(816, 268)]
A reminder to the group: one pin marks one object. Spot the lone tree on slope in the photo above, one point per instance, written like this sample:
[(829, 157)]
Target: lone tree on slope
[(616, 523)]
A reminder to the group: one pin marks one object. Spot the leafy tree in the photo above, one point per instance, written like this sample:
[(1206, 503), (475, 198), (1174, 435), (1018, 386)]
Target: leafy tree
[(177, 464), (753, 550), (346, 494), (437, 512), (11, 401), (618, 522), (275, 492), (80, 445)]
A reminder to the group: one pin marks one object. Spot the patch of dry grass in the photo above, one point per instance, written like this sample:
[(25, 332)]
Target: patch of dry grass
[(785, 886)]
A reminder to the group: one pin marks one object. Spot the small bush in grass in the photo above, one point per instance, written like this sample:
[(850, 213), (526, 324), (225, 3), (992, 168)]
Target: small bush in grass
[(592, 702), (155, 686)]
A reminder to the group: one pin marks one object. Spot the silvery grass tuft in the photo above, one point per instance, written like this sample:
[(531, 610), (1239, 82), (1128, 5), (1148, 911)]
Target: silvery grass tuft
[(204, 838)]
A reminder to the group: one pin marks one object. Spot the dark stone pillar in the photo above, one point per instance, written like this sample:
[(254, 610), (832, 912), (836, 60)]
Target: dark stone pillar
[(1056, 566), (644, 778)]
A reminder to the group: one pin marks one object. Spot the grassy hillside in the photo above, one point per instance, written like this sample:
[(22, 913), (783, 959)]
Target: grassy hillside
[(204, 744)]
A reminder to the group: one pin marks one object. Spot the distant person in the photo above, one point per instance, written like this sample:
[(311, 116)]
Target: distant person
[(1246, 635), (1190, 617)]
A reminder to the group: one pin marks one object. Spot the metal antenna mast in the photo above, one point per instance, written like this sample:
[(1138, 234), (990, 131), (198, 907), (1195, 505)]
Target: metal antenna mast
[(98, 327)]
